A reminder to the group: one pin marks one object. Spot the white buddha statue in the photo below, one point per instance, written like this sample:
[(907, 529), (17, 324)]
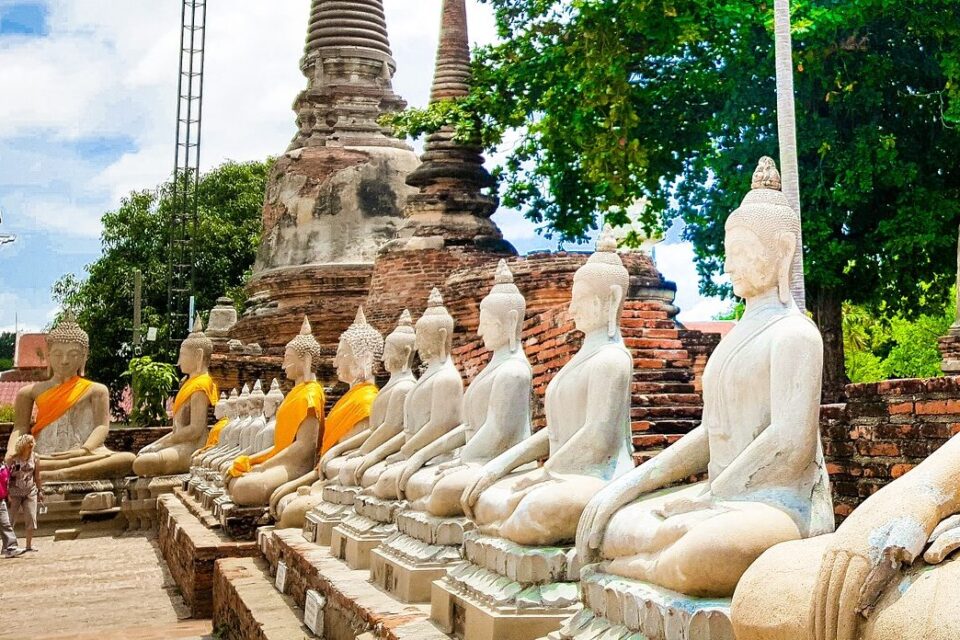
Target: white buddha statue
[(252, 479), (433, 407), (274, 398), (231, 411), (347, 425), (496, 409), (232, 433), (362, 467), (73, 414), (250, 429), (587, 437), (759, 440)]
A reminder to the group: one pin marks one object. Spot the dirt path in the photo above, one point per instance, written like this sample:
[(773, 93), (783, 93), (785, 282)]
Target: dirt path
[(95, 588)]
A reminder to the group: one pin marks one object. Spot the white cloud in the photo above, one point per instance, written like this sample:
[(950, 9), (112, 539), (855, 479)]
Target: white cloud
[(676, 263)]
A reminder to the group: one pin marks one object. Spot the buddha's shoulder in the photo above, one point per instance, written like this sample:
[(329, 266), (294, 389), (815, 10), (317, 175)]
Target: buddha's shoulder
[(514, 370), (611, 356), (797, 330), (98, 390)]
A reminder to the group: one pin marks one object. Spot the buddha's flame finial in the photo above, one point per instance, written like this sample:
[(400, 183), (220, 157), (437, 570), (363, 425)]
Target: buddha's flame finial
[(607, 242), (766, 175), (503, 275)]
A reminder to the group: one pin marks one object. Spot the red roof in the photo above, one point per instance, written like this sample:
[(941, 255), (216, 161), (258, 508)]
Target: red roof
[(8, 391), (722, 327), (31, 351)]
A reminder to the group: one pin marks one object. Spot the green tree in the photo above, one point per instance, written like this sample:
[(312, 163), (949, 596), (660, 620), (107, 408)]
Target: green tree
[(7, 345), (151, 383), (135, 236), (675, 100)]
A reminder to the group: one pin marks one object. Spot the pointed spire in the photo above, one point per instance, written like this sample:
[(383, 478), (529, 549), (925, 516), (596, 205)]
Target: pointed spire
[(406, 320), (360, 24), (435, 299), (607, 242), (258, 386), (305, 328), (451, 78), (503, 274), (361, 317), (198, 324), (275, 393)]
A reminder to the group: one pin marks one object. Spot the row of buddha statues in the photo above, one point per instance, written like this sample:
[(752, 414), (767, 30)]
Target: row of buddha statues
[(759, 529)]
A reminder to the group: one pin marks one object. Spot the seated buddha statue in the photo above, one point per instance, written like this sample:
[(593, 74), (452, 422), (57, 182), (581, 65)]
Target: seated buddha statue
[(274, 398), (252, 479), (231, 412), (73, 414), (496, 409), (758, 442), (222, 412), (171, 453), (433, 406), (587, 437), (347, 424), (248, 432), (361, 466), (230, 447)]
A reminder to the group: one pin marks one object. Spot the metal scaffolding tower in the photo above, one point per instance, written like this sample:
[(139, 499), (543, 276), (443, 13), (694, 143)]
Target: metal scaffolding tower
[(186, 168)]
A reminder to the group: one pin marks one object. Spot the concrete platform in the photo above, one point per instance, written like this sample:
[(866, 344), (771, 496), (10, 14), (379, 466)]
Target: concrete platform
[(405, 581), (190, 550), (353, 607), (247, 606)]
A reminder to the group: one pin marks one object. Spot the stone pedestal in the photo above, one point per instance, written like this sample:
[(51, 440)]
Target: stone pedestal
[(240, 523), (359, 533), (424, 547), (73, 502), (139, 503), (618, 608), (320, 521), (505, 590)]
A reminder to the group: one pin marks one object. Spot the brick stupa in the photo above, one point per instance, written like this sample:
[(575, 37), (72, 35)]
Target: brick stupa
[(338, 193), (448, 225)]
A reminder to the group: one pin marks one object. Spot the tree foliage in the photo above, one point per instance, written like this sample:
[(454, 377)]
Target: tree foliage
[(7, 346), (151, 383), (136, 236)]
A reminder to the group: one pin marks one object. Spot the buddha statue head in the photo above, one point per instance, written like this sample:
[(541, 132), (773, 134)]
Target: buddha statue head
[(502, 312), (400, 346), (301, 354), (360, 347), (599, 288), (761, 238), (231, 406), (243, 402), (273, 400), (255, 401), (220, 409), (434, 330), (195, 350), (67, 348)]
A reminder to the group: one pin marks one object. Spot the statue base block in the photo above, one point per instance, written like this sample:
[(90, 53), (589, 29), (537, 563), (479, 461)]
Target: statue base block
[(359, 533), (320, 521), (139, 504), (190, 549), (195, 508), (616, 607), (241, 523), (424, 547), (81, 501), (503, 586)]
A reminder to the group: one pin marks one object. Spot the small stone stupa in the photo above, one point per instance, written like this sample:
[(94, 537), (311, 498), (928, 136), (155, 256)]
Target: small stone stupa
[(339, 191), (448, 225)]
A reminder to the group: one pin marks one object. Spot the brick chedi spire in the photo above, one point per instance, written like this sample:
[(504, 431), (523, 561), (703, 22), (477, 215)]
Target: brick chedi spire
[(349, 67), (448, 226), (455, 198)]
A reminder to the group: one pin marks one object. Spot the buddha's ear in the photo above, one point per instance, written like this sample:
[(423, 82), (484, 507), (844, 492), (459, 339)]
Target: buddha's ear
[(613, 315), (786, 249), (513, 319), (407, 356), (307, 363), (443, 343)]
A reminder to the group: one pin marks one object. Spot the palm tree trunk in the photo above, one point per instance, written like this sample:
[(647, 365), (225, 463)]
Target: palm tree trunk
[(787, 131)]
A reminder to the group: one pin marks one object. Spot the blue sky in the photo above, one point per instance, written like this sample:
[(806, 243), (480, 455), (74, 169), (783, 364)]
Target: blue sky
[(87, 99)]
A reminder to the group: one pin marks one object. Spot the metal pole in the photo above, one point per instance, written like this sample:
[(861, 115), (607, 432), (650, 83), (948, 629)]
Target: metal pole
[(137, 292)]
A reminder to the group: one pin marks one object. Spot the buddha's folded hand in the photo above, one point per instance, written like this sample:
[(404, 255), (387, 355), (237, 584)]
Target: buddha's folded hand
[(944, 540), (489, 475)]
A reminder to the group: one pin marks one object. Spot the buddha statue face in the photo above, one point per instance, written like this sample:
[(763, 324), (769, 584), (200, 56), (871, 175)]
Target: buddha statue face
[(434, 331), (399, 346), (295, 365), (501, 312), (299, 356), (358, 351), (599, 288), (195, 350), (761, 238), (220, 409), (66, 360), (255, 403), (273, 400)]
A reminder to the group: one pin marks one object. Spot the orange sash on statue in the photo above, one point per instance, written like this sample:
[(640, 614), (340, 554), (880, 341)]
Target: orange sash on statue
[(201, 383), (214, 436), (302, 399), (56, 401), (353, 407)]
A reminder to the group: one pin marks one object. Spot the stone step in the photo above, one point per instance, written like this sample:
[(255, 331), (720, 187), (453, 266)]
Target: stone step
[(247, 606), (353, 605)]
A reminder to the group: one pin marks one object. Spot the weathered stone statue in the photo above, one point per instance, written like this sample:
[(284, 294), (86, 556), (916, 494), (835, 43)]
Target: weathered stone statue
[(232, 433), (347, 425), (227, 410), (248, 432), (587, 437), (73, 414), (496, 409), (433, 407), (254, 478), (758, 442), (272, 402), (171, 454), (223, 412)]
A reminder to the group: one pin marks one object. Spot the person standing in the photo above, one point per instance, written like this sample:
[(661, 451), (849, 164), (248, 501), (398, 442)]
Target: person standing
[(25, 487), (8, 539)]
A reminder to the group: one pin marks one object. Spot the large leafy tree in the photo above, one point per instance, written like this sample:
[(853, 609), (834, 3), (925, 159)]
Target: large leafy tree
[(135, 236), (676, 100)]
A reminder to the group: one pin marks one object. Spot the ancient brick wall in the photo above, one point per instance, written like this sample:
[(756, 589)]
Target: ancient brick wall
[(884, 430), (121, 439)]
